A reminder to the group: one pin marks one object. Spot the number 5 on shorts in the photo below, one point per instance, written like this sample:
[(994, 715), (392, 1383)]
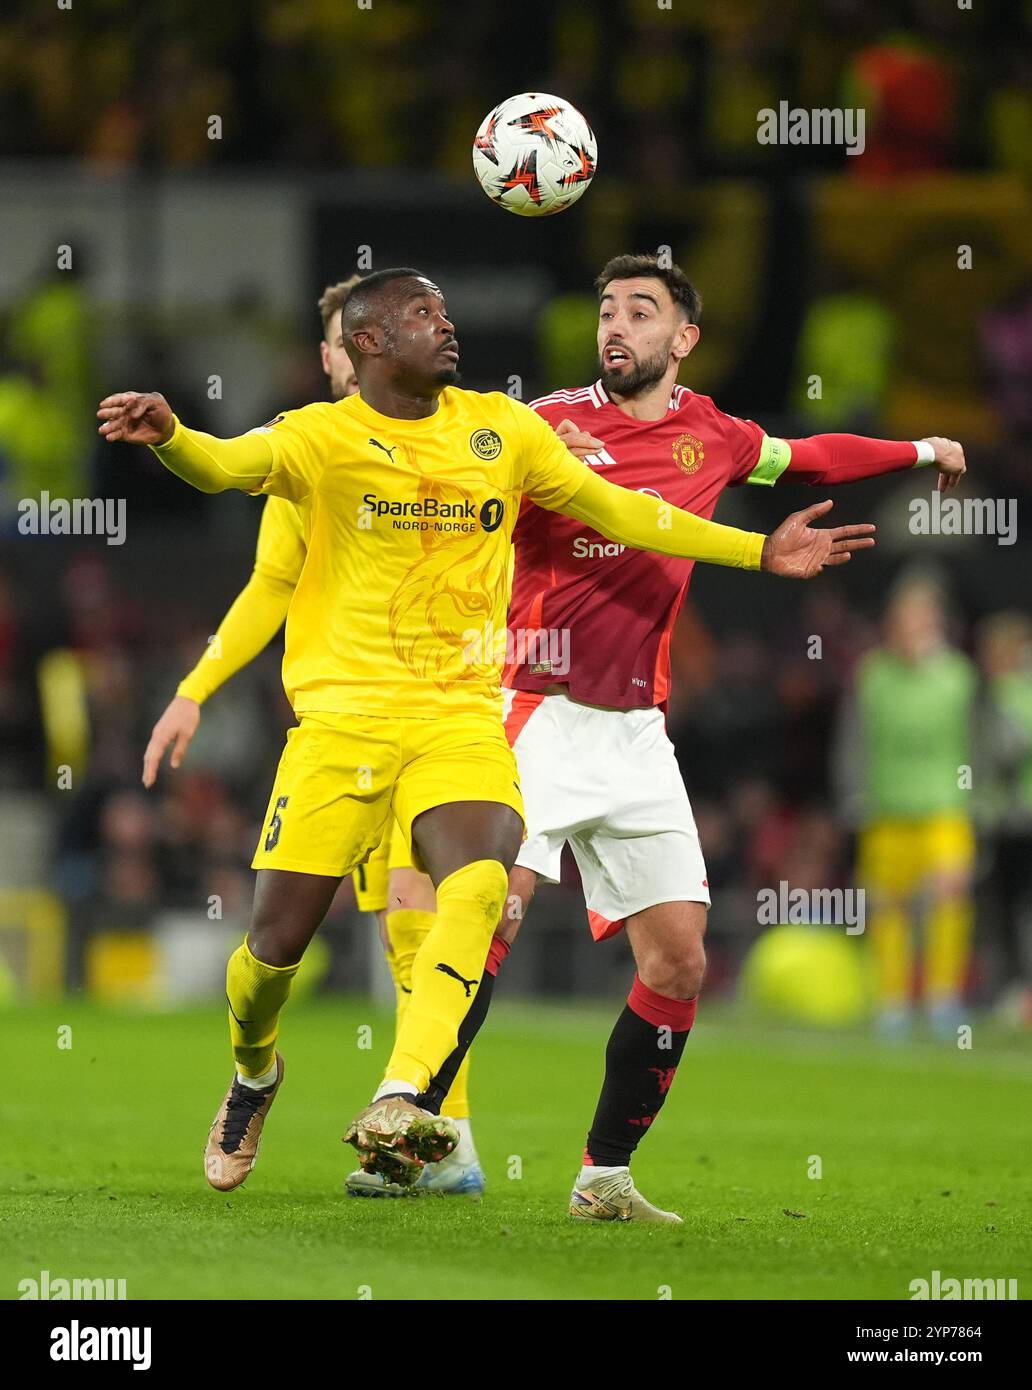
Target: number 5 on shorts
[(276, 824)]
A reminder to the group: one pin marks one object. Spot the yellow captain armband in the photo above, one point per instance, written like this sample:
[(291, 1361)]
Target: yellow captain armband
[(775, 456)]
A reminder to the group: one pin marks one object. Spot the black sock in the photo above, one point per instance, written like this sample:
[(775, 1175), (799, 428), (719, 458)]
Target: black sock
[(434, 1096), (642, 1055)]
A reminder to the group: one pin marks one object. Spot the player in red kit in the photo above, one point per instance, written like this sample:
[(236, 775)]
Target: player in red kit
[(589, 632)]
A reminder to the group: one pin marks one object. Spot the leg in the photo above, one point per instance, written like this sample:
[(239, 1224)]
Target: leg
[(947, 949), (468, 848), (949, 854), (288, 908), (410, 891), (646, 1045), (522, 883), (453, 836), (413, 905), (467, 845), (889, 866), (327, 810), (893, 952)]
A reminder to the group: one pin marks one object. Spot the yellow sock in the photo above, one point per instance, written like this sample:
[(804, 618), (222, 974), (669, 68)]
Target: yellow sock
[(947, 947), (256, 992), (447, 969), (890, 940), (400, 995), (407, 929)]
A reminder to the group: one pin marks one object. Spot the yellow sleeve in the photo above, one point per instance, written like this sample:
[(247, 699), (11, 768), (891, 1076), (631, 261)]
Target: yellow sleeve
[(281, 458), (259, 610), (282, 544), (255, 616), (550, 473), (559, 482), (638, 519)]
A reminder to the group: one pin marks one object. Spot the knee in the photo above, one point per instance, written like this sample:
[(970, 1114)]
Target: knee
[(412, 891), (274, 941), (676, 969)]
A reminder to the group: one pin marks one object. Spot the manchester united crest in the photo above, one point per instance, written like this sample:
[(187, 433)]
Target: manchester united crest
[(689, 453)]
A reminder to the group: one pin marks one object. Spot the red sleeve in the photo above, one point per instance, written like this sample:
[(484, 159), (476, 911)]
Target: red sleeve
[(846, 458), (744, 438), (822, 458)]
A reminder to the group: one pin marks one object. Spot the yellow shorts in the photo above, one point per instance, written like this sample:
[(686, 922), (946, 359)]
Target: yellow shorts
[(896, 856), (371, 878), (342, 775)]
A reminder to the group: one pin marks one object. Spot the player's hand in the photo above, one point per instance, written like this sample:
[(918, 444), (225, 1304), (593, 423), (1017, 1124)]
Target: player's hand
[(949, 460), (176, 726), (578, 441), (136, 417), (797, 550)]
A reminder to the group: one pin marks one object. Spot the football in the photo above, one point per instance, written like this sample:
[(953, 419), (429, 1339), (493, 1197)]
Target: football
[(534, 154)]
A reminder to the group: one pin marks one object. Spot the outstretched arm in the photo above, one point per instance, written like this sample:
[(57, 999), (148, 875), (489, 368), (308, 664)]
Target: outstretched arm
[(209, 464), (795, 550), (255, 616), (828, 459)]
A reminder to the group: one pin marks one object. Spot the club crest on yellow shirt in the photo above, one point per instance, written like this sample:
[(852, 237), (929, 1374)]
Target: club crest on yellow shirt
[(486, 444), (689, 453)]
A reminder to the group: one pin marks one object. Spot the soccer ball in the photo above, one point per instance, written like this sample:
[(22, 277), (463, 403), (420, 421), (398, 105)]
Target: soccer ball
[(534, 154)]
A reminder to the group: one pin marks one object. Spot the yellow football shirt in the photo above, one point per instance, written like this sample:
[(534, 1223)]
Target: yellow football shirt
[(409, 543), (282, 540)]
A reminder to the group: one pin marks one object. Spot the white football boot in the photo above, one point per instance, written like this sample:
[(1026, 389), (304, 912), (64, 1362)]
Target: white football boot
[(458, 1175), (610, 1195)]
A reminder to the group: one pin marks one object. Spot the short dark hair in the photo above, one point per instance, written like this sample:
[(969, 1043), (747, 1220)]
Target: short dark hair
[(334, 297), (633, 267), (363, 301)]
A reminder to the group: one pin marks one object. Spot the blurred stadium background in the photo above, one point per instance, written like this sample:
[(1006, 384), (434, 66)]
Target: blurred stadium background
[(195, 267)]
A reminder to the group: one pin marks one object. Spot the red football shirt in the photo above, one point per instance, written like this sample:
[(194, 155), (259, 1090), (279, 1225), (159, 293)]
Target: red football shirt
[(605, 612)]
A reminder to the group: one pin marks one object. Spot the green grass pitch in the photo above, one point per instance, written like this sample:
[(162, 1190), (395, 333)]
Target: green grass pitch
[(923, 1149)]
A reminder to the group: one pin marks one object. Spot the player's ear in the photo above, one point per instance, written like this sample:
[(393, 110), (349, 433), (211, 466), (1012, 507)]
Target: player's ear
[(685, 340), (367, 340), (324, 353)]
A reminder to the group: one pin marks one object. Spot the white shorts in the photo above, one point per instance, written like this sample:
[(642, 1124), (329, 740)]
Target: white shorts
[(608, 782)]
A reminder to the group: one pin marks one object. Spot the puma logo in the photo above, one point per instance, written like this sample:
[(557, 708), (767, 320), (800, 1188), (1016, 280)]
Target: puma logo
[(241, 1022), (389, 452), (447, 970)]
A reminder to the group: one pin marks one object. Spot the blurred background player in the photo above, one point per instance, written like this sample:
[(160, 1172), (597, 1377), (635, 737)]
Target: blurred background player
[(905, 761), (400, 898), (1004, 799)]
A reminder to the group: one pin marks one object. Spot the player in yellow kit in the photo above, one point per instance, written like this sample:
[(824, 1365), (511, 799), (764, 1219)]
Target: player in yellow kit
[(413, 488), (386, 885)]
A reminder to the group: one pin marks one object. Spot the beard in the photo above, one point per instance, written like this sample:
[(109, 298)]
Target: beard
[(448, 376), (641, 377)]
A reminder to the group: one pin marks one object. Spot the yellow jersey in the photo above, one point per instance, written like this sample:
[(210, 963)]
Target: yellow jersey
[(408, 563)]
